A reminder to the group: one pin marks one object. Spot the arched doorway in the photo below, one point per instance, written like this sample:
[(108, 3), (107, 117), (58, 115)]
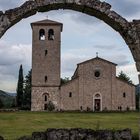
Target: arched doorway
[(45, 99), (97, 102)]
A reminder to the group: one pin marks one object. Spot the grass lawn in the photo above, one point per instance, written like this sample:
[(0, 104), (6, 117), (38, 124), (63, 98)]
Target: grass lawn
[(16, 124)]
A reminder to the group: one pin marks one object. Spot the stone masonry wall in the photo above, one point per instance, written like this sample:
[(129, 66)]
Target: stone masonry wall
[(127, 102), (38, 98), (80, 134)]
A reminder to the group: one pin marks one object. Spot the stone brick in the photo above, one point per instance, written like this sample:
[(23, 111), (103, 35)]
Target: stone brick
[(82, 134)]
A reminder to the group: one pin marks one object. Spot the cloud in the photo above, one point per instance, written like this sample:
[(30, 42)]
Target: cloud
[(84, 18), (70, 61), (74, 56), (130, 70), (10, 4), (126, 8), (11, 56), (107, 47), (119, 59)]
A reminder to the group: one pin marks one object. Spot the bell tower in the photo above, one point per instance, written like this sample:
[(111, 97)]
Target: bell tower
[(46, 42)]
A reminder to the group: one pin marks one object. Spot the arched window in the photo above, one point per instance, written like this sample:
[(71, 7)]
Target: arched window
[(42, 34), (46, 98), (51, 34)]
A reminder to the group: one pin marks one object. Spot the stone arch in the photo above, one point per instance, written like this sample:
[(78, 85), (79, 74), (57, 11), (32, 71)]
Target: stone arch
[(45, 97), (42, 34), (45, 100), (130, 31), (97, 96)]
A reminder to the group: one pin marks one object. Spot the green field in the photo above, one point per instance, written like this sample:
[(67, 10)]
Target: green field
[(16, 124)]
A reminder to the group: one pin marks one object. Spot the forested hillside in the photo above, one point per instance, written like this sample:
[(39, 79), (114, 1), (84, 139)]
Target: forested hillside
[(7, 100)]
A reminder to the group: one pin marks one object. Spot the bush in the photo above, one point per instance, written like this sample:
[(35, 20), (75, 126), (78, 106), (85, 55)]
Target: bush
[(50, 106)]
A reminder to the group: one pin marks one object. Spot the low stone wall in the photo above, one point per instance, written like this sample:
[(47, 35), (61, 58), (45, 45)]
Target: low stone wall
[(80, 134)]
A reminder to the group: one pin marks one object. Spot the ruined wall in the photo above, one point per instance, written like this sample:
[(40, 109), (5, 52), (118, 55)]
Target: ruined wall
[(80, 134)]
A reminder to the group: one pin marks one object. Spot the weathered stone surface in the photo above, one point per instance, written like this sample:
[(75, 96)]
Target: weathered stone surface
[(80, 134), (130, 31), (25, 138), (124, 134), (84, 91), (39, 136)]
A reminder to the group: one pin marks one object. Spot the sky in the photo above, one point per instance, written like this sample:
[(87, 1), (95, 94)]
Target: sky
[(82, 37)]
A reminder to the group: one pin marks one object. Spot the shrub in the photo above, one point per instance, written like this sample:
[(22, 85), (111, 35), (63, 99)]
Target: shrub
[(50, 106)]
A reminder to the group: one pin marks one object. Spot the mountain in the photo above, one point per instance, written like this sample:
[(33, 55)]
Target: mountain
[(11, 94), (7, 99)]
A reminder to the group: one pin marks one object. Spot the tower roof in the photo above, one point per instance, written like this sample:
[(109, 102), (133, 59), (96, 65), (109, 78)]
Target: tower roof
[(47, 22)]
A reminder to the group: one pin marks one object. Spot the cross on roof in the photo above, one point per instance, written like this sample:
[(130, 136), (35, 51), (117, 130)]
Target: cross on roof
[(97, 54)]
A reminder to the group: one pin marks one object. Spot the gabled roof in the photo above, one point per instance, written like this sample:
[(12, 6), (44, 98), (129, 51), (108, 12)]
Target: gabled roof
[(87, 61), (97, 58), (47, 22)]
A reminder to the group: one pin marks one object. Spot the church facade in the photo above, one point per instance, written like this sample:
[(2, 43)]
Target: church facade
[(93, 86)]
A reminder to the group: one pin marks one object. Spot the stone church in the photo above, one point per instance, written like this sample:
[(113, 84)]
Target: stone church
[(93, 86)]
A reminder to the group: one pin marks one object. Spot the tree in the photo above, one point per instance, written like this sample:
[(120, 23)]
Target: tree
[(1, 103), (27, 91), (65, 80), (19, 98), (124, 77)]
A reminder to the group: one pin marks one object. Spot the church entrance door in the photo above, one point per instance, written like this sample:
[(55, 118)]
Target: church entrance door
[(97, 105), (97, 102)]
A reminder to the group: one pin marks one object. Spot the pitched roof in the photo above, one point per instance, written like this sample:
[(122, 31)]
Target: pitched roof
[(47, 22), (97, 58)]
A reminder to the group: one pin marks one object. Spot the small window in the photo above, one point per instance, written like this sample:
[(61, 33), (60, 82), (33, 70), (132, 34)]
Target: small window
[(97, 74), (46, 78), (51, 34), (46, 52), (42, 34), (70, 94), (46, 98), (124, 94)]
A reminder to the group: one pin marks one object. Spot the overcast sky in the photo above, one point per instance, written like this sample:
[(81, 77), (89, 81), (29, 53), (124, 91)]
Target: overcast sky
[(82, 37)]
